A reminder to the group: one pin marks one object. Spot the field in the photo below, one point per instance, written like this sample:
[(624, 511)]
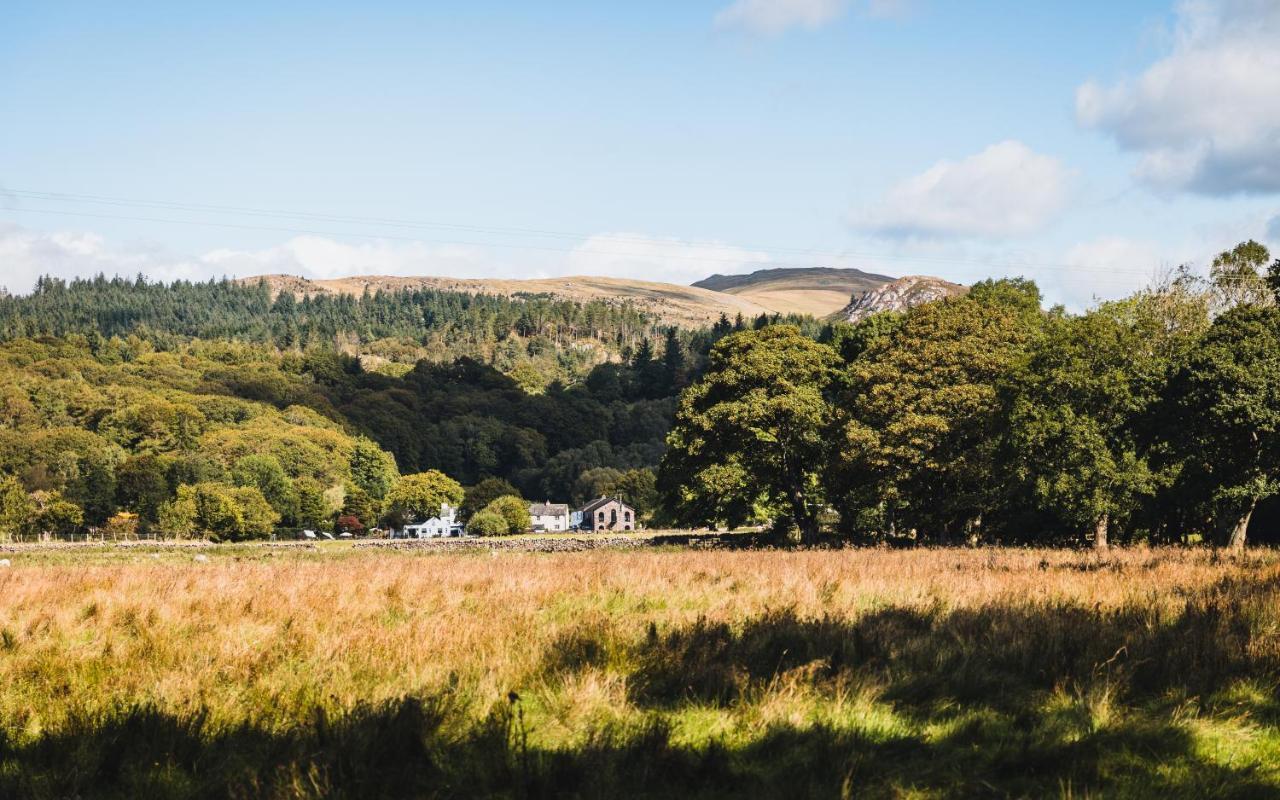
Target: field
[(350, 672)]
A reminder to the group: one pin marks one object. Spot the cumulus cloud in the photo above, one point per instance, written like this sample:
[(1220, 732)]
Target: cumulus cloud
[(321, 257), (671, 260), (1204, 118), (28, 254), (1006, 190)]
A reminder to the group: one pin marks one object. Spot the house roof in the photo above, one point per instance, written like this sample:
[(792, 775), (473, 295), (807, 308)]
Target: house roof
[(594, 504), (548, 509)]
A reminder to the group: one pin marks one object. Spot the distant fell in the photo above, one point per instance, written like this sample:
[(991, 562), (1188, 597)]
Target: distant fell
[(820, 291), (669, 303)]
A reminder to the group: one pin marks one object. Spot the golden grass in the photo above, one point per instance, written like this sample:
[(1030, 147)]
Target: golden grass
[(588, 640)]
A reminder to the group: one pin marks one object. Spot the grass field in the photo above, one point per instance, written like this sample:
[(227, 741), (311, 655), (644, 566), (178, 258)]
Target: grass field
[(858, 673)]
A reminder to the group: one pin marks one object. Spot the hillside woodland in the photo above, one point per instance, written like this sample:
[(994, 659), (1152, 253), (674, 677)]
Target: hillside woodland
[(218, 409), (232, 410)]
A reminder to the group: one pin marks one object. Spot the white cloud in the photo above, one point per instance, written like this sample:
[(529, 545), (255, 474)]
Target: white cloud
[(632, 255), (320, 257), (27, 254), (772, 17), (1206, 117), (1006, 190)]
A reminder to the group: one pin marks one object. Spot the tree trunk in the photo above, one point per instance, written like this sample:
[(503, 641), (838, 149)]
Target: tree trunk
[(1236, 539), (1100, 530), (973, 530), (806, 521)]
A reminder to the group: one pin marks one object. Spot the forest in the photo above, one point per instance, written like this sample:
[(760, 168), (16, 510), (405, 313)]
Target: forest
[(987, 419), (217, 410)]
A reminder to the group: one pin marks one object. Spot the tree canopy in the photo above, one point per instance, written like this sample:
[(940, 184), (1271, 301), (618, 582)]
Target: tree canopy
[(751, 432)]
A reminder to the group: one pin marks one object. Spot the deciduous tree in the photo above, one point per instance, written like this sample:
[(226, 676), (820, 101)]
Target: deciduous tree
[(1072, 426), (1225, 417), (420, 496), (919, 419), (752, 431)]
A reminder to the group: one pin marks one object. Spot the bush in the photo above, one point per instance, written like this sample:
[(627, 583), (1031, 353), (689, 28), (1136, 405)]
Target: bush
[(219, 512), (514, 512), (487, 523)]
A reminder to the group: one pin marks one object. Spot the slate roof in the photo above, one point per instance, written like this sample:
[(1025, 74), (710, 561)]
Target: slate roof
[(594, 504), (548, 509)]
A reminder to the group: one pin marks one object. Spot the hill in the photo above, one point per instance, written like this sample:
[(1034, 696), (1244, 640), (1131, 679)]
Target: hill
[(687, 306), (900, 295), (819, 291)]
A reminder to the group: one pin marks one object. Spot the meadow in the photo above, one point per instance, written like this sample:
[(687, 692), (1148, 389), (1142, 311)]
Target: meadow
[(250, 671)]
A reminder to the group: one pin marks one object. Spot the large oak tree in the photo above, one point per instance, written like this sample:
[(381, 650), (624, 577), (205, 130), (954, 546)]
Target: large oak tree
[(750, 436)]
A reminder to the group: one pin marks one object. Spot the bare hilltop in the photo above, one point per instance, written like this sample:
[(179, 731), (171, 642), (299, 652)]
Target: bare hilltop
[(823, 292)]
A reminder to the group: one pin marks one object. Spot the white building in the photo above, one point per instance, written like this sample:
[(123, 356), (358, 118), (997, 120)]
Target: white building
[(547, 517), (444, 525)]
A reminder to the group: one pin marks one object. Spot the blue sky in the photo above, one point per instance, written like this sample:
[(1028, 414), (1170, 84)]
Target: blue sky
[(1086, 144)]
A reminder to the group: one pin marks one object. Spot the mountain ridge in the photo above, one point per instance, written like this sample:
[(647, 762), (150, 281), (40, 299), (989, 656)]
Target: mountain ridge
[(673, 304), (824, 292)]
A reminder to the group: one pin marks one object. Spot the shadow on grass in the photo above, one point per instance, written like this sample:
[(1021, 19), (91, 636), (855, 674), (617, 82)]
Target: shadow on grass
[(996, 655), (1022, 700), (405, 750)]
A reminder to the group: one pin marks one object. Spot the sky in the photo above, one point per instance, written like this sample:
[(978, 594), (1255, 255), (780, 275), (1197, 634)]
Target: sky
[(1089, 145)]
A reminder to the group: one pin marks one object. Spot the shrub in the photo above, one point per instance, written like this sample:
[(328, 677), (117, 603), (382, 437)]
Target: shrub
[(514, 512), (487, 523)]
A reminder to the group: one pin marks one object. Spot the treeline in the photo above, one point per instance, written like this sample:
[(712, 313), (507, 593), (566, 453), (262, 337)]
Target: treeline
[(538, 338), (988, 419)]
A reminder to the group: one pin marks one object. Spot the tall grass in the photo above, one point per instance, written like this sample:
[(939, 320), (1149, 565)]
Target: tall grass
[(640, 673)]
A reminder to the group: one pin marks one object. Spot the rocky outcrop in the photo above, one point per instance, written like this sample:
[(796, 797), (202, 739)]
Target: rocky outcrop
[(900, 295)]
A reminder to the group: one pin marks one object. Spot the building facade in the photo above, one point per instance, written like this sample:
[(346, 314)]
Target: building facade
[(607, 514), (444, 525), (549, 517)]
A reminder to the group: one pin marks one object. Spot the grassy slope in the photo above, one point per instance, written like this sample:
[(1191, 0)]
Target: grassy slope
[(773, 674), (819, 291), (671, 303)]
